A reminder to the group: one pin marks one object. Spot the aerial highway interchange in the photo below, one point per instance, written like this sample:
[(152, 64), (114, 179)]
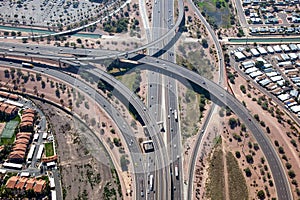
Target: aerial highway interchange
[(158, 174)]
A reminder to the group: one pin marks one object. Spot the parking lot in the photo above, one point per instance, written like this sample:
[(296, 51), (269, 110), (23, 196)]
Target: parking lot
[(50, 12)]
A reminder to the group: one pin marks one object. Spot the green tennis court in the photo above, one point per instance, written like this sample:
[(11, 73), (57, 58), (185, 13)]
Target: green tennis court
[(9, 129)]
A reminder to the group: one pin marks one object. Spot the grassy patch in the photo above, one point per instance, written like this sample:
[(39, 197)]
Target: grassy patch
[(8, 133), (7, 141), (132, 79), (49, 149), (128, 79), (237, 184), (216, 182), (219, 16), (197, 59), (193, 115)]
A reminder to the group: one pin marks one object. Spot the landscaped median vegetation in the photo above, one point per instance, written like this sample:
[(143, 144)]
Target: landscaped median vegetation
[(216, 187), (216, 182), (236, 181)]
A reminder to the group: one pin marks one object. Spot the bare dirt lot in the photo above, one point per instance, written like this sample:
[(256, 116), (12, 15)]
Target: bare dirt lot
[(83, 176), (279, 127)]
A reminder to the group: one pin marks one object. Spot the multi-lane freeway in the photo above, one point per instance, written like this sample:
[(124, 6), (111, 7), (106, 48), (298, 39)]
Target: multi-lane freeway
[(282, 186), (162, 66)]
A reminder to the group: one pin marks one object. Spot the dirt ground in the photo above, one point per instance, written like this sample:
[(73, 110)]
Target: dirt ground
[(80, 171), (278, 131)]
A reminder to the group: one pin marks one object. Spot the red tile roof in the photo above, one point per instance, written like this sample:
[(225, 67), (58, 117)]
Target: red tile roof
[(11, 182), (26, 111), (39, 186), (21, 183), (30, 183), (17, 155), (22, 140), (20, 147)]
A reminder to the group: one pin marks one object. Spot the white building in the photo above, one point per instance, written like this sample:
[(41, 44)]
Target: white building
[(254, 52), (270, 49), (283, 97), (285, 48), (276, 78), (277, 49), (255, 74), (264, 82), (281, 64), (250, 70), (248, 64), (284, 57), (262, 51), (262, 60), (295, 108), (293, 56), (270, 74), (239, 56)]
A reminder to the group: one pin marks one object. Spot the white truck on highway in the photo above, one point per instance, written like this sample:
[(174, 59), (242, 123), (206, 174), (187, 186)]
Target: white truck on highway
[(151, 182), (176, 172), (176, 115)]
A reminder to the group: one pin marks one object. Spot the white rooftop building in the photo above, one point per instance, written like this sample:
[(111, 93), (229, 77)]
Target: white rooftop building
[(270, 49), (285, 48), (262, 60), (239, 56), (276, 78), (255, 74), (270, 74), (281, 64), (277, 49), (293, 56), (267, 65), (248, 64), (283, 97), (250, 70), (294, 93), (295, 109), (262, 50), (293, 47), (284, 56), (280, 82), (254, 52), (264, 82)]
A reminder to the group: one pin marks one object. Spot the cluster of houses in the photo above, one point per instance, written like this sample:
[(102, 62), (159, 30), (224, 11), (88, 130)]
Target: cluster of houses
[(275, 78), (262, 12), (9, 96), (8, 110), (24, 183), (27, 120), (23, 138), (274, 30), (17, 155)]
